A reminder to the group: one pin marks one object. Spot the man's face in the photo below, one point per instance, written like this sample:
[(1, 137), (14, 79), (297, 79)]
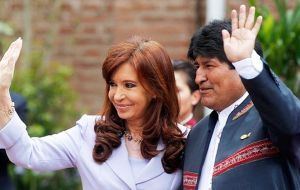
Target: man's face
[(219, 85)]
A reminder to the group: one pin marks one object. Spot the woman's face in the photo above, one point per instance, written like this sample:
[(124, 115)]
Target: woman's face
[(128, 95), (185, 97)]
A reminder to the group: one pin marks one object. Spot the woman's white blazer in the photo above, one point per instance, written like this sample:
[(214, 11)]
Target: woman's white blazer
[(73, 148)]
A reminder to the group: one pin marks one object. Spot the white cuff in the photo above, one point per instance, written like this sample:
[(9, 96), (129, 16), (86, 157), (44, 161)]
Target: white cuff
[(11, 133), (249, 68)]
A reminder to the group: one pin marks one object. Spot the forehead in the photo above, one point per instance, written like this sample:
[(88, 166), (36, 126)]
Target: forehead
[(125, 72), (201, 59)]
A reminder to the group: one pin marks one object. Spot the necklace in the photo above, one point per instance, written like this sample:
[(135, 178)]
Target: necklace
[(130, 138)]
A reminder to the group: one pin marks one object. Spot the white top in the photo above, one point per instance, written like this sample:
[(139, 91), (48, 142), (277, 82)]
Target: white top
[(73, 148), (248, 68)]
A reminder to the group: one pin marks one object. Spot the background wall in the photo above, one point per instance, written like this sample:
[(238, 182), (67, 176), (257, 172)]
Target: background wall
[(79, 32)]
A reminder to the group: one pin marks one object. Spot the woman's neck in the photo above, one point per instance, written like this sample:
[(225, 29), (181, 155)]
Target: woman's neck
[(135, 129)]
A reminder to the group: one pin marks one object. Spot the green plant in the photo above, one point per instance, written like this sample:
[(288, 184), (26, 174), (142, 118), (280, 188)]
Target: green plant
[(280, 38)]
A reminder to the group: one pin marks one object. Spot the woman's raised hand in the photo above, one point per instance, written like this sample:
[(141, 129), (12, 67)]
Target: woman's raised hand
[(7, 65)]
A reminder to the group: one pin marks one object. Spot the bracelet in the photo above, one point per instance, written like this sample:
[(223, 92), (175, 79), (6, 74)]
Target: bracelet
[(9, 111)]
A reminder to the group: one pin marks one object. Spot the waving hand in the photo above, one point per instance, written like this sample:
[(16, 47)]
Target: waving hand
[(240, 44), (7, 65)]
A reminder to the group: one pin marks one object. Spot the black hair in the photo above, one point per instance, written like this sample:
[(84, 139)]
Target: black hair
[(207, 41), (189, 70)]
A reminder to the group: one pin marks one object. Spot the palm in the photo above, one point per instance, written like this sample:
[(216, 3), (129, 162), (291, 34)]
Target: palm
[(240, 44)]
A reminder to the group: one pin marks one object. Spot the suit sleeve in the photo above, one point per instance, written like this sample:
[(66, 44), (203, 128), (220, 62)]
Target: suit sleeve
[(48, 153), (278, 107)]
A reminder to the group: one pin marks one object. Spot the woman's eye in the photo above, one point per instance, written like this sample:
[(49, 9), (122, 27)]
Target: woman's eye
[(130, 85), (111, 84)]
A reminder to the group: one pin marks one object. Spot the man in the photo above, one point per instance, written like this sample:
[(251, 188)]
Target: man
[(250, 140)]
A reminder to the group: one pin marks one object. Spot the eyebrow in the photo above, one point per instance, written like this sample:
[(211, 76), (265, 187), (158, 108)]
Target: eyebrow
[(132, 81)]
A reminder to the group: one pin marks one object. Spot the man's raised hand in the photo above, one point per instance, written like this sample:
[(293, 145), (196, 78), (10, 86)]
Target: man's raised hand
[(240, 44)]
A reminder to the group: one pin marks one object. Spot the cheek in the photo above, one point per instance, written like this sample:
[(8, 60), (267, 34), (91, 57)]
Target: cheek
[(110, 95)]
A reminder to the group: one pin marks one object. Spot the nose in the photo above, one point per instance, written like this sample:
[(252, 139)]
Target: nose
[(119, 94), (200, 76)]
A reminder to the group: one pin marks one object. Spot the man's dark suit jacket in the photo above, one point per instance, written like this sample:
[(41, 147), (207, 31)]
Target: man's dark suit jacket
[(21, 109), (259, 146)]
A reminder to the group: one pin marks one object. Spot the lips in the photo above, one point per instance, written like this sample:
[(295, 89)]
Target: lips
[(121, 107), (204, 90)]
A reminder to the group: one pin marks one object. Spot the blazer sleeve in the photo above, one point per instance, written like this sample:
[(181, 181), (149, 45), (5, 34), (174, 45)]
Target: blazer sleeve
[(47, 153), (279, 110), (278, 107)]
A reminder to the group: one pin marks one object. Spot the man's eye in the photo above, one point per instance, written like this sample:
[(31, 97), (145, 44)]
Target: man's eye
[(130, 85), (196, 65)]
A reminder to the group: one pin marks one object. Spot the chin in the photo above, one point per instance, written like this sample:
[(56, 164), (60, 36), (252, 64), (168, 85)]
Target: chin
[(123, 116)]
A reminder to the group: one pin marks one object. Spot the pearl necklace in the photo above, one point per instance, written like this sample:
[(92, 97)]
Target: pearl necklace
[(130, 138)]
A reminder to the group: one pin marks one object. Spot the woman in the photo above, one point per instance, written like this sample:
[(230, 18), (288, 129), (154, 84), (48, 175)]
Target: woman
[(187, 90), (136, 144)]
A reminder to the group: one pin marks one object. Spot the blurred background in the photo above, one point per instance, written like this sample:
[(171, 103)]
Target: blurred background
[(65, 42)]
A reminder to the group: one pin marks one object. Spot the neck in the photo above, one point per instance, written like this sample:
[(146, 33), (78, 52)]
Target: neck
[(183, 121), (135, 129)]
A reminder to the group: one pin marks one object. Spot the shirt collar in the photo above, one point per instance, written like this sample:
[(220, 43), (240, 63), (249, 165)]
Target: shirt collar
[(225, 112)]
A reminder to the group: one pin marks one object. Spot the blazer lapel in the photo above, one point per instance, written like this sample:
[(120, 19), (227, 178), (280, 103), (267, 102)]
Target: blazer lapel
[(120, 165), (241, 110), (154, 168)]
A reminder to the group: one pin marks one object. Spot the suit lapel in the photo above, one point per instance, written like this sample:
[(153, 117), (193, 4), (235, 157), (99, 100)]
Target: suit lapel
[(120, 165), (154, 168), (241, 110)]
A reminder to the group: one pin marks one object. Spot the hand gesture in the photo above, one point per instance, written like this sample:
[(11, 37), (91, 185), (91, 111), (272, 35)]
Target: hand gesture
[(241, 43), (7, 65)]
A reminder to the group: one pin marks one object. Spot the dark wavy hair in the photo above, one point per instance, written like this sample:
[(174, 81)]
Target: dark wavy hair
[(155, 72)]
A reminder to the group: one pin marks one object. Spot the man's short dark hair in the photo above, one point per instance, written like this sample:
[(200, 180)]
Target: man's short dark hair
[(207, 41)]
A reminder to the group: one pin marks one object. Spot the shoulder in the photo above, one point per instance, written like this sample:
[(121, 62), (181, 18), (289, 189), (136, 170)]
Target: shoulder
[(87, 122)]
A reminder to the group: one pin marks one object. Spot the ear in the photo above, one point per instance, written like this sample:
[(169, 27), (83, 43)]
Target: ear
[(195, 97)]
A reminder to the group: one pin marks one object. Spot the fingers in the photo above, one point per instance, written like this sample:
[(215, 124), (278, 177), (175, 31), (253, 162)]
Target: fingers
[(234, 20), (250, 18), (241, 20), (17, 50), (257, 25), (12, 52), (242, 16), (225, 35)]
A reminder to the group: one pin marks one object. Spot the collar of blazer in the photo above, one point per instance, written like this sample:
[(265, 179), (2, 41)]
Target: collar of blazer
[(242, 109), (119, 163)]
